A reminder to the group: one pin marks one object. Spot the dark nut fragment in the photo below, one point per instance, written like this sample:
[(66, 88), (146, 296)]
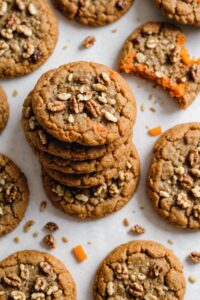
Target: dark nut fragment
[(49, 241), (89, 41), (51, 226), (120, 5), (136, 289), (12, 280), (195, 257), (11, 193), (93, 108), (36, 56), (76, 106)]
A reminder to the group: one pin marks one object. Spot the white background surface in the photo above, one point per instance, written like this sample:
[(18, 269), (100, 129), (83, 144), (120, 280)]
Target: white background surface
[(109, 232)]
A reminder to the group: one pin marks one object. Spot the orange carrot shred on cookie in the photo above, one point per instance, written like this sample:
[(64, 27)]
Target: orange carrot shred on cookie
[(79, 253), (155, 131)]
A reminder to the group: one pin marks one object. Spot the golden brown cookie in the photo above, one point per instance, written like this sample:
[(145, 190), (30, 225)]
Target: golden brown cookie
[(174, 176), (94, 13), (84, 102), (32, 274), (4, 110), (140, 270), (182, 11), (156, 51), (96, 202), (28, 34), (14, 195)]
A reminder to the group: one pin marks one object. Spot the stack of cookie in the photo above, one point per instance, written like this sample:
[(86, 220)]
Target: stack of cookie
[(78, 120)]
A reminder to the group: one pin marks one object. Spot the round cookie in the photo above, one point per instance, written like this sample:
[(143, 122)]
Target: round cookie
[(38, 138), (84, 102), (4, 110), (174, 176), (32, 274), (156, 51), (140, 270), (14, 195), (94, 13), (96, 202), (85, 166), (28, 34), (90, 179), (182, 11)]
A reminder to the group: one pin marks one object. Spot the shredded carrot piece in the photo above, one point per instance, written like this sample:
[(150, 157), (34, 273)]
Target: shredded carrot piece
[(185, 57), (79, 253), (155, 131)]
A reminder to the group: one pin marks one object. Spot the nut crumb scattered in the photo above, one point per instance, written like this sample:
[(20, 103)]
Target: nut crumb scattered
[(16, 240), (64, 239), (192, 279), (51, 226), (43, 206), (89, 41), (143, 107), (15, 93), (142, 207), (89, 243), (152, 109), (28, 225), (195, 257), (35, 234), (150, 97), (126, 222), (49, 241), (170, 242), (137, 229), (114, 30), (64, 47)]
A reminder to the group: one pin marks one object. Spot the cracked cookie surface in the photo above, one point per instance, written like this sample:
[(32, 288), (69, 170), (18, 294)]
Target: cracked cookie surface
[(43, 141), (156, 51), (182, 11), (140, 270), (28, 34), (96, 202), (94, 12), (84, 102), (35, 275), (174, 176), (14, 195), (4, 110)]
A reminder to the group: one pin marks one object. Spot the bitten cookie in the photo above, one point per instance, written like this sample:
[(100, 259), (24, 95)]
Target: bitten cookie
[(182, 11), (84, 102), (94, 13), (156, 51), (174, 176), (140, 270), (96, 202), (32, 274), (28, 34), (4, 110), (14, 195), (42, 141)]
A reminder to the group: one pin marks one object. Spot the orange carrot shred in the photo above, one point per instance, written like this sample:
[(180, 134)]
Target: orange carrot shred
[(155, 131), (79, 253)]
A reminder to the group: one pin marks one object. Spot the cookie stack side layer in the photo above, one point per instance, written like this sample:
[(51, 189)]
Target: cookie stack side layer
[(78, 121)]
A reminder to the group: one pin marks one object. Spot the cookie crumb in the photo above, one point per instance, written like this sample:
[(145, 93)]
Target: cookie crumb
[(35, 234), (170, 242), (152, 109), (143, 107), (15, 93), (192, 279), (49, 241), (195, 257), (64, 47), (51, 226), (126, 222), (89, 41), (137, 229), (43, 206), (28, 225), (150, 97), (114, 30), (16, 240), (64, 239)]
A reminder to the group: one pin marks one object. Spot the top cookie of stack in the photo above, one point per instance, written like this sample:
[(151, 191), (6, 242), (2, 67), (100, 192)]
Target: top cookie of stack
[(78, 121)]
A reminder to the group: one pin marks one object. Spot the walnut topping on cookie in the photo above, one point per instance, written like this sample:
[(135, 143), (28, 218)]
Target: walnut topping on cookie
[(72, 102), (173, 180), (156, 51), (28, 34), (35, 275), (140, 270)]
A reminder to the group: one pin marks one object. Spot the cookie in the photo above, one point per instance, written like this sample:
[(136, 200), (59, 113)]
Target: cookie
[(156, 51), (182, 11), (28, 34), (174, 176), (96, 202), (84, 102), (85, 166), (14, 195), (32, 274), (140, 270), (42, 141), (90, 179), (4, 110), (94, 13)]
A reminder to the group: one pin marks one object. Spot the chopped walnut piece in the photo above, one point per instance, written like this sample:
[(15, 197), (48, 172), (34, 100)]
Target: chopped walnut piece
[(40, 284), (195, 257), (49, 241), (56, 106), (28, 225), (138, 229), (136, 289), (12, 279), (46, 268), (51, 226), (89, 41), (17, 295)]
